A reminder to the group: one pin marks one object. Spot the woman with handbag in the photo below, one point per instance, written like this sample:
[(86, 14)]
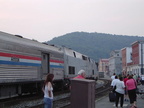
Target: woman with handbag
[(131, 87)]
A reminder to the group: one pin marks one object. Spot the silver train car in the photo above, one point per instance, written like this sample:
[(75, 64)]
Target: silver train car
[(74, 61), (24, 64)]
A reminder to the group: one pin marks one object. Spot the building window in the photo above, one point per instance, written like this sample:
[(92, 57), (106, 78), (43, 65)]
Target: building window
[(71, 70), (93, 72), (131, 56)]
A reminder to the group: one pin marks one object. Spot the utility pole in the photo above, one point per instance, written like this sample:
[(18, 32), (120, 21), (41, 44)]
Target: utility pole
[(142, 58)]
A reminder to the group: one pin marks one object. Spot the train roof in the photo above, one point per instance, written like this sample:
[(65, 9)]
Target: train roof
[(73, 53), (27, 42)]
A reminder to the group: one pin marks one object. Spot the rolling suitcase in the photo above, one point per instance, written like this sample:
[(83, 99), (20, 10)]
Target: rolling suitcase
[(112, 97)]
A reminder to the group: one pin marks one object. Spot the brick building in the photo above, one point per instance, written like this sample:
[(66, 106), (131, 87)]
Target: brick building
[(137, 57), (126, 59), (103, 65), (133, 58)]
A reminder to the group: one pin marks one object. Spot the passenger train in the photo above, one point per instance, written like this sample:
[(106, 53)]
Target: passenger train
[(24, 64)]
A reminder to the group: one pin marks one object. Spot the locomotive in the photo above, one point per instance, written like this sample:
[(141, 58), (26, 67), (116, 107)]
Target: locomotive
[(24, 64)]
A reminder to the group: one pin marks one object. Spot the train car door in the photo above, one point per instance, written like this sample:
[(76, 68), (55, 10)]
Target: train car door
[(45, 63)]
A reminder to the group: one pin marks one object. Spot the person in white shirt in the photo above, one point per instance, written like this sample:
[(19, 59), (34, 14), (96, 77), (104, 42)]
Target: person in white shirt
[(113, 76), (48, 91), (113, 83), (120, 89)]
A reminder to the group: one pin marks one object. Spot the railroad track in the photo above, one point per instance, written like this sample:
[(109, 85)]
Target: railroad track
[(101, 91), (61, 100)]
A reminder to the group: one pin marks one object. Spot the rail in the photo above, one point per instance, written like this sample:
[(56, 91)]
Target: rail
[(61, 100)]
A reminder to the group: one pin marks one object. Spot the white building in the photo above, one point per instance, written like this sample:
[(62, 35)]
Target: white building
[(115, 62)]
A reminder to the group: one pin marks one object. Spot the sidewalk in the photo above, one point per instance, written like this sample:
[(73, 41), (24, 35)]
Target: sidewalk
[(105, 103)]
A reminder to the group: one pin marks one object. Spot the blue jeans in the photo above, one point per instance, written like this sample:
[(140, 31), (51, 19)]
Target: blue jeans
[(48, 103)]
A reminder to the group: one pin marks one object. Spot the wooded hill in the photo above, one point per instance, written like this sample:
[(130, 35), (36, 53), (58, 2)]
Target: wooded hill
[(95, 45)]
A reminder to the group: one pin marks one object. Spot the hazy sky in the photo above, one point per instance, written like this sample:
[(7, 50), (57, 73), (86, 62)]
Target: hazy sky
[(43, 20)]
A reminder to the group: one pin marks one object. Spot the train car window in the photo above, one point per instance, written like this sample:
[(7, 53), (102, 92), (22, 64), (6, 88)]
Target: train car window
[(71, 70), (84, 57), (18, 36), (74, 54)]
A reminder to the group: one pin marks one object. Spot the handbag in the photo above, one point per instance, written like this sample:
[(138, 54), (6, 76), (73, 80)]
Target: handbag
[(137, 90)]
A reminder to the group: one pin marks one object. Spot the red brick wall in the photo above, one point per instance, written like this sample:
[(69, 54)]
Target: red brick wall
[(123, 57), (135, 53)]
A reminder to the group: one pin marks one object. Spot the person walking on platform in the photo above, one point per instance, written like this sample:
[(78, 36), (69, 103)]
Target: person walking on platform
[(48, 91), (131, 87), (126, 92), (135, 77), (81, 75), (113, 77), (113, 83), (120, 86), (142, 79)]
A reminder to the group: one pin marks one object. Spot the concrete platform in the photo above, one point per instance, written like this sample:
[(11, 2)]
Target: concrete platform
[(105, 103)]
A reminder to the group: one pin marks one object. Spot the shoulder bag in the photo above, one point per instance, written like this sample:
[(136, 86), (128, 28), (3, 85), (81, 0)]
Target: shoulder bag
[(137, 90)]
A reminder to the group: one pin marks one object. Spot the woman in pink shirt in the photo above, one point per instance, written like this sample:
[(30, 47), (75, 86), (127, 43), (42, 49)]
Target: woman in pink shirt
[(131, 87)]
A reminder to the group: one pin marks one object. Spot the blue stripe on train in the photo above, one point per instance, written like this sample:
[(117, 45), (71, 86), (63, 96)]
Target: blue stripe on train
[(26, 64), (19, 63)]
